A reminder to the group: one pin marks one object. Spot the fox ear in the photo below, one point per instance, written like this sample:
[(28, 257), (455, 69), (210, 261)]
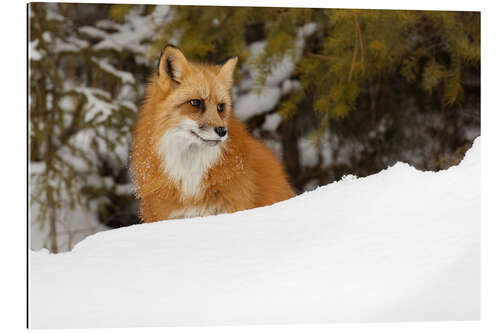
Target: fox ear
[(172, 65), (227, 69)]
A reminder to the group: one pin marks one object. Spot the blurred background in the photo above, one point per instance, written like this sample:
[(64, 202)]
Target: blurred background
[(332, 92)]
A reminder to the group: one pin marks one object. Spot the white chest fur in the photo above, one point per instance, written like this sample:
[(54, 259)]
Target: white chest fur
[(186, 160)]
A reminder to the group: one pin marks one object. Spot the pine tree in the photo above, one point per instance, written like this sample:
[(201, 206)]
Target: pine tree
[(333, 92), (84, 86)]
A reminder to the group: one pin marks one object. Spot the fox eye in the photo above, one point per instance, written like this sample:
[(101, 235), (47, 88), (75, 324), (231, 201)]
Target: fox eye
[(195, 102), (220, 107)]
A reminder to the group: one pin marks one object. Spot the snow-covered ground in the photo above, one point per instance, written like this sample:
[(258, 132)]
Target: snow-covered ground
[(401, 245)]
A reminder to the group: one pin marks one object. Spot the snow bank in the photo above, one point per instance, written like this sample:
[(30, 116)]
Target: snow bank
[(401, 245)]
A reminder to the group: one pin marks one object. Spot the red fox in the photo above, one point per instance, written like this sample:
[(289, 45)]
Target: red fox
[(191, 156)]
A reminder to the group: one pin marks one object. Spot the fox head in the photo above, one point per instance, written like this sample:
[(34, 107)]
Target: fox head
[(190, 109), (198, 101)]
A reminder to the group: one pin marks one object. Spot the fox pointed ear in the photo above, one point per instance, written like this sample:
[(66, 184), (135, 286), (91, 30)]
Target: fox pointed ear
[(227, 69), (172, 66)]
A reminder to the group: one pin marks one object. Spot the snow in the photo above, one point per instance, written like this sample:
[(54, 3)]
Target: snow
[(71, 44), (254, 103), (308, 29), (400, 245), (53, 13), (37, 167), (93, 32), (272, 122), (125, 77), (34, 52), (68, 232), (308, 156), (309, 153), (130, 35), (67, 103), (125, 189), (97, 107), (47, 37)]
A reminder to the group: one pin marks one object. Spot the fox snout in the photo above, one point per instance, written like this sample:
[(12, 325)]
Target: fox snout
[(221, 131), (211, 135)]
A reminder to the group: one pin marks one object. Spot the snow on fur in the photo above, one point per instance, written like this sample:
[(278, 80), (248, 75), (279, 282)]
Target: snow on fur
[(401, 245)]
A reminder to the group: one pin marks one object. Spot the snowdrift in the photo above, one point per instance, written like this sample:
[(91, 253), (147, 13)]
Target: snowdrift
[(401, 245)]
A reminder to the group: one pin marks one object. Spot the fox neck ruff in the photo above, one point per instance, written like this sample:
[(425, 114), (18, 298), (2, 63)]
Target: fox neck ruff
[(186, 160)]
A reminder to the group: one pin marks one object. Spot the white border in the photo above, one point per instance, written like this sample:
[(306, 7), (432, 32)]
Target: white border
[(13, 194)]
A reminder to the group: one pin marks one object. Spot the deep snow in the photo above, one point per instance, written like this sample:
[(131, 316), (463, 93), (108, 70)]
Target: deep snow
[(401, 245)]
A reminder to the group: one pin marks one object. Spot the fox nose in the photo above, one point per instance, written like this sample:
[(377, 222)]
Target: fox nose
[(221, 131)]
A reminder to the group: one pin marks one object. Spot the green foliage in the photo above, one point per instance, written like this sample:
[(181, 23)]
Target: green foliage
[(203, 38), (118, 12), (350, 50), (214, 33), (364, 45), (290, 106)]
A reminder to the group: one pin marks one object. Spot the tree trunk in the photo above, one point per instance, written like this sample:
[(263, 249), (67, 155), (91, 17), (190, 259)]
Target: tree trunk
[(53, 227)]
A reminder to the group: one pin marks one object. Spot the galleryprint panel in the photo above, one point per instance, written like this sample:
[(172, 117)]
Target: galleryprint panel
[(200, 165)]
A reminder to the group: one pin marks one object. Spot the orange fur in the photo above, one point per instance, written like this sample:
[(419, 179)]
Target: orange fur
[(245, 175)]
